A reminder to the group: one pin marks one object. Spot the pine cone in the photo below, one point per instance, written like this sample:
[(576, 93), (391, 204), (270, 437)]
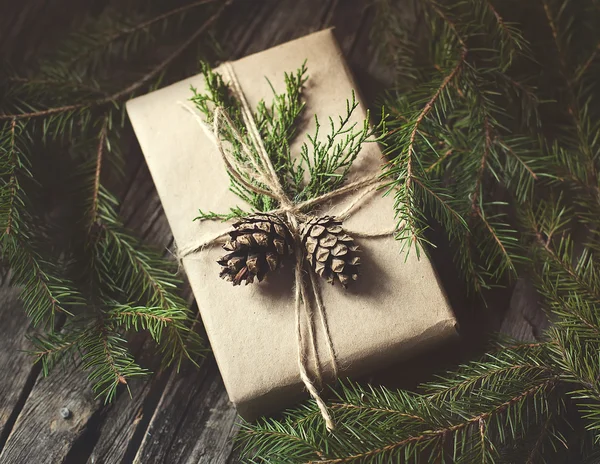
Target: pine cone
[(329, 250), (256, 246)]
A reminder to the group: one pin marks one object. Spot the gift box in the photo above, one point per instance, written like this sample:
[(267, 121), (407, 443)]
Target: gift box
[(395, 309)]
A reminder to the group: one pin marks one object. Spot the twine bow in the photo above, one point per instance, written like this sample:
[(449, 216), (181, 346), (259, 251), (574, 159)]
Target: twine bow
[(263, 171)]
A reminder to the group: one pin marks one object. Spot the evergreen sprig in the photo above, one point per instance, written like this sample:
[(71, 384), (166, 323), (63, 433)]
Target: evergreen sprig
[(46, 293), (465, 418), (87, 283), (326, 161)]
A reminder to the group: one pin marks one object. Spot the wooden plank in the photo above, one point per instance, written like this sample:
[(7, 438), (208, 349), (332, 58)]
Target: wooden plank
[(122, 424), (193, 422), (285, 20), (525, 319), (41, 435), (17, 366)]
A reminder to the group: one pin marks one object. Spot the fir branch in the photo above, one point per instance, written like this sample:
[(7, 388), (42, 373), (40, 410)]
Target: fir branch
[(506, 362), (583, 69), (401, 170), (44, 293), (154, 319), (105, 355), (12, 182), (547, 222), (482, 168), (106, 41), (501, 250), (424, 112), (436, 436), (143, 278), (127, 91), (536, 449), (52, 348), (372, 432), (97, 347), (96, 185), (44, 83)]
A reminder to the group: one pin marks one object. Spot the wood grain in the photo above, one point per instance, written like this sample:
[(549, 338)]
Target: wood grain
[(41, 434), (194, 421), (121, 426), (15, 364)]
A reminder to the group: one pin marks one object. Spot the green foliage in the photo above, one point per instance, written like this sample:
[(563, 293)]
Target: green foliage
[(45, 293), (326, 161), (329, 161), (460, 120), (494, 140), (467, 417), (87, 283)]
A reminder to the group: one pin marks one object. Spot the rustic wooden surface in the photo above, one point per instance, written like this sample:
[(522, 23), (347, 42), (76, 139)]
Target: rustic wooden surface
[(185, 417)]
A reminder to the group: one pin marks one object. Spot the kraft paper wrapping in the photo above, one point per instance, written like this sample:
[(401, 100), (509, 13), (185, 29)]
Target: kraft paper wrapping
[(396, 308)]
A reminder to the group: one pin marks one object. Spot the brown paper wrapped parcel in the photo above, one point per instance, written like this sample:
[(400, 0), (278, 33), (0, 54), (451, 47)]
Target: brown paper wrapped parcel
[(394, 309)]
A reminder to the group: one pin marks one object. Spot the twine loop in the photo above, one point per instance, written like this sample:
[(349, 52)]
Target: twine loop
[(263, 171)]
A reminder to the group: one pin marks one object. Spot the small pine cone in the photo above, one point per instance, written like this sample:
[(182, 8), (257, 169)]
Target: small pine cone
[(256, 246), (330, 251)]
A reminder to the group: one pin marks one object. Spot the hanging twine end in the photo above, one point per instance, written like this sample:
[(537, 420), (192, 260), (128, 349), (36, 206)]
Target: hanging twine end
[(329, 422)]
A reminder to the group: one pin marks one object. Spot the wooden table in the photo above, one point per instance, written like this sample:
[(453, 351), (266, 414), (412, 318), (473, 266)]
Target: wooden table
[(186, 417)]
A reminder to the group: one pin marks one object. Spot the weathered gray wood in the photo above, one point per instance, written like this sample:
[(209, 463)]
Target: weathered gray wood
[(194, 421), (120, 423), (40, 434), (18, 374), (525, 319)]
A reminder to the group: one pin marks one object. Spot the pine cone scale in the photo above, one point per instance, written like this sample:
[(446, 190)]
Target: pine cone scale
[(256, 246), (329, 250)]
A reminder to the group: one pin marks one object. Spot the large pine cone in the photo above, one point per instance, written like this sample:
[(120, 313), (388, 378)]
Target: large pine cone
[(330, 251), (256, 246)]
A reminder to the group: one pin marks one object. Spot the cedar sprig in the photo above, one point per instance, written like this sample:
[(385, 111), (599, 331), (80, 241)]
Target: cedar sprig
[(276, 123), (328, 162), (325, 160), (234, 213)]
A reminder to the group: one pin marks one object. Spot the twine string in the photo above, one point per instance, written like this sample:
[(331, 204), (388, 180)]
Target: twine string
[(356, 202), (255, 137), (277, 188), (265, 173)]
